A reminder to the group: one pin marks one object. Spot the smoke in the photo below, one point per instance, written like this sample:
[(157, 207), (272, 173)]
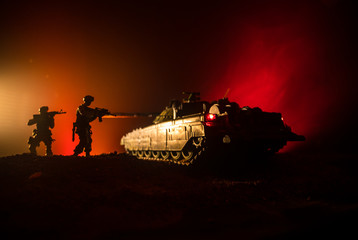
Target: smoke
[(292, 58)]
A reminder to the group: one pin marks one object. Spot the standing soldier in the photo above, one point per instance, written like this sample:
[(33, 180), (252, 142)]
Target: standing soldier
[(44, 121), (85, 115)]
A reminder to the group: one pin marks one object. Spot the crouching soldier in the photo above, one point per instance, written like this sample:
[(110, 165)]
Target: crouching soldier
[(44, 121)]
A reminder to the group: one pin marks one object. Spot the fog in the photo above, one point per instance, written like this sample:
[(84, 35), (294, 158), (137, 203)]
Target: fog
[(296, 58)]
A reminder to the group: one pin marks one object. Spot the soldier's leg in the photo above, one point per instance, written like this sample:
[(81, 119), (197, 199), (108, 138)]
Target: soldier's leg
[(88, 147), (33, 143), (79, 148), (48, 142)]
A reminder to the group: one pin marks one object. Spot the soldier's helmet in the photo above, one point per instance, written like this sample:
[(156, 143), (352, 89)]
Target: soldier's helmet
[(88, 98), (43, 109)]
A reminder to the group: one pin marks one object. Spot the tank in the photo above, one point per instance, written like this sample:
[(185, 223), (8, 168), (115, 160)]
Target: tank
[(187, 128)]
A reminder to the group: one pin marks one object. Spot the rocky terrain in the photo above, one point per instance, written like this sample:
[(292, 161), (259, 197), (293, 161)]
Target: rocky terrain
[(288, 196)]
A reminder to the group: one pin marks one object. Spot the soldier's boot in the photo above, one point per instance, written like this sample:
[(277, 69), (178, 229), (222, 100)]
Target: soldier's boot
[(32, 148), (88, 149), (78, 150), (32, 145), (49, 152), (48, 144), (76, 153)]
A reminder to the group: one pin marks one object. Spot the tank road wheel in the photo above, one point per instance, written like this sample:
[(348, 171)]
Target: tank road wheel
[(164, 154), (148, 153), (197, 142), (187, 155), (156, 154), (140, 153), (175, 155)]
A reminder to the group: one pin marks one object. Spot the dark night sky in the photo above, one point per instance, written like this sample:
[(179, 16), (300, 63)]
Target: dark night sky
[(294, 57)]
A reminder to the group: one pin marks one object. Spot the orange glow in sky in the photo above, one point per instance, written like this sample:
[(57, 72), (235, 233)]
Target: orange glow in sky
[(293, 57)]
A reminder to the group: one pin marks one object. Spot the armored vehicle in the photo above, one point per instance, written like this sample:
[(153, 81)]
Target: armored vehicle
[(184, 129)]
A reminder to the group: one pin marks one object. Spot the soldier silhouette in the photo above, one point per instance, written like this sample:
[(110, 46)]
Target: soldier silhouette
[(44, 121), (85, 115)]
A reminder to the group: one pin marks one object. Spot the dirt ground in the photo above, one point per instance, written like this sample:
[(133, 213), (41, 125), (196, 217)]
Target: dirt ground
[(288, 196)]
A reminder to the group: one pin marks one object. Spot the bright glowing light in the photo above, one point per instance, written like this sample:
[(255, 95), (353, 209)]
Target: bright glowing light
[(210, 117)]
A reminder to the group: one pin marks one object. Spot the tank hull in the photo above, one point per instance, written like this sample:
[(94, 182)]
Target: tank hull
[(166, 136), (181, 137)]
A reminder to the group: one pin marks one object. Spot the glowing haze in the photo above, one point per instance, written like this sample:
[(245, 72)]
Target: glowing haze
[(297, 59), (284, 57), (275, 65)]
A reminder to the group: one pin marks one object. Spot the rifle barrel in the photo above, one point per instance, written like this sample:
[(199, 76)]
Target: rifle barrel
[(111, 116), (131, 115)]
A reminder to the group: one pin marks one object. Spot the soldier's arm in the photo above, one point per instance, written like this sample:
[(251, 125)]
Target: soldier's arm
[(31, 122), (89, 113)]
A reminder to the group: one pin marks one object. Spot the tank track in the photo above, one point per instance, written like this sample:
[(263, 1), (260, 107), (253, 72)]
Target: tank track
[(197, 147)]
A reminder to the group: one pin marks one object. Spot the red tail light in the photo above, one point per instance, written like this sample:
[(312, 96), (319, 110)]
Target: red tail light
[(210, 117)]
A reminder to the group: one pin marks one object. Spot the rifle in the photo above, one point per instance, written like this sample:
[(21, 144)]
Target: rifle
[(37, 116), (100, 112), (51, 114), (103, 112), (74, 131)]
